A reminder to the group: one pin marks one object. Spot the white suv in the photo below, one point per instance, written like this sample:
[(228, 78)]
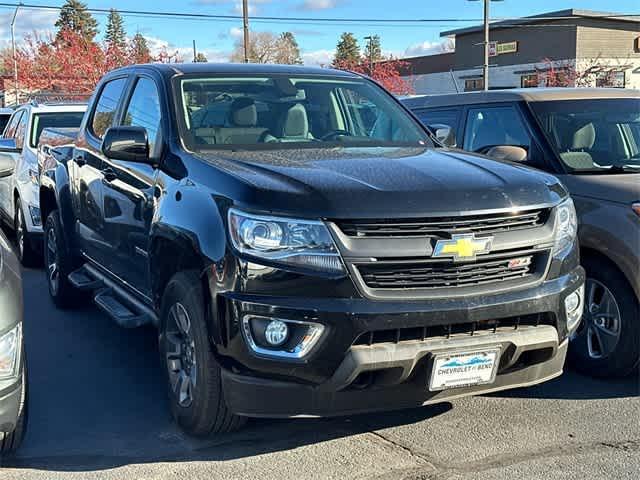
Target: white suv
[(19, 204)]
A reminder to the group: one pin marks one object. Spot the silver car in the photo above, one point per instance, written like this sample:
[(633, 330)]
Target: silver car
[(13, 372)]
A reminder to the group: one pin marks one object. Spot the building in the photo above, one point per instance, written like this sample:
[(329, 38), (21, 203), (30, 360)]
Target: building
[(563, 48)]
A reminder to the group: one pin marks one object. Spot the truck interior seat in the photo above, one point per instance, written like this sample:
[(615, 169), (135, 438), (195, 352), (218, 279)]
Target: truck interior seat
[(295, 125)]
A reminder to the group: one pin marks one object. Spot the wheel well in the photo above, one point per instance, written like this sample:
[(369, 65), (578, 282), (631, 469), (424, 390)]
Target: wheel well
[(586, 252), (47, 203), (169, 257)]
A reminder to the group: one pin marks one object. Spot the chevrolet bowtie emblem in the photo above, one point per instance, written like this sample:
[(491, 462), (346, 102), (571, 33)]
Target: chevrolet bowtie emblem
[(463, 247)]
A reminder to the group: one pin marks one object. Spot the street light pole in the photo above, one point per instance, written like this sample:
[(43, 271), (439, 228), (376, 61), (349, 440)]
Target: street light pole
[(370, 38), (245, 25), (13, 48), (485, 66)]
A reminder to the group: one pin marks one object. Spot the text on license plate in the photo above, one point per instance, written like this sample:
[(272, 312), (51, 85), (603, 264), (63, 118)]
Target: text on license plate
[(462, 369)]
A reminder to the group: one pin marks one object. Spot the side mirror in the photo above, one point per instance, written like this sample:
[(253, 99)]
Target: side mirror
[(444, 134), (8, 145), (126, 143), (7, 165), (510, 153)]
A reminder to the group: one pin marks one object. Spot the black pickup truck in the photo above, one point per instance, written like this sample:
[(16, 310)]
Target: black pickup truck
[(304, 247)]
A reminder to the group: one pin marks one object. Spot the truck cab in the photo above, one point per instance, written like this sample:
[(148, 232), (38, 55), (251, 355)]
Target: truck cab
[(19, 193), (303, 246)]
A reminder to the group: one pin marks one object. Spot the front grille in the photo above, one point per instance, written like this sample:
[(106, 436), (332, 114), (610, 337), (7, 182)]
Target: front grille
[(430, 273), (485, 224), (398, 335)]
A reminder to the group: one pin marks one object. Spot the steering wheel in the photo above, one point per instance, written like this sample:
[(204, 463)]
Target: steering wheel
[(334, 134)]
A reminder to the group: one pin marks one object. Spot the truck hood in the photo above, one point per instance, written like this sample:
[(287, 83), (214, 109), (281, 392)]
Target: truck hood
[(621, 188), (383, 182)]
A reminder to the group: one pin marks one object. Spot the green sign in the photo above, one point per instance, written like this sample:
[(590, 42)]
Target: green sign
[(509, 47)]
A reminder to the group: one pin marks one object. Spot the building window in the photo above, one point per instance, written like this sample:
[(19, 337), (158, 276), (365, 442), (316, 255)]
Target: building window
[(529, 81), (473, 84), (610, 79)]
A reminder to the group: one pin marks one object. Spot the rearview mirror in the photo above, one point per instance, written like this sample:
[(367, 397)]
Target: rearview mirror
[(126, 143), (444, 134), (7, 165), (510, 153)]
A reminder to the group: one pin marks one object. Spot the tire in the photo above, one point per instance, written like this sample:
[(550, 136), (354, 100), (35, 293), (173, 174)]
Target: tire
[(188, 360), (58, 264), (592, 357), (10, 442), (28, 256)]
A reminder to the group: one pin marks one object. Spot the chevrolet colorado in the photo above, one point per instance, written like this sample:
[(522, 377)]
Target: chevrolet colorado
[(303, 246)]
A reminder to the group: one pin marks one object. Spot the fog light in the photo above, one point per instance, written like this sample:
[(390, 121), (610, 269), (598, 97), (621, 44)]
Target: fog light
[(276, 333), (573, 306)]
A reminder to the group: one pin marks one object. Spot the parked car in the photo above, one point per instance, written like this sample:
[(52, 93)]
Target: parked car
[(13, 367), (5, 115), (298, 261), (19, 207), (590, 139)]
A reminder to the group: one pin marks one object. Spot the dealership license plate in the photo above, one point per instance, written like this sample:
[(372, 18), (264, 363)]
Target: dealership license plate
[(464, 369)]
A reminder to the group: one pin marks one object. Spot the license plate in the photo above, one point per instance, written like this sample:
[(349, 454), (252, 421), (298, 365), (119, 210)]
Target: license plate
[(463, 369)]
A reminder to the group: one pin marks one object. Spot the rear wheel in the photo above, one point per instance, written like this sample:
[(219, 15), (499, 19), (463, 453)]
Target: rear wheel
[(607, 342), (29, 256), (58, 264), (192, 371)]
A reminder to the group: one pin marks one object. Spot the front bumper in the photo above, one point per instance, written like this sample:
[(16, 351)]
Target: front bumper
[(9, 407), (343, 375)]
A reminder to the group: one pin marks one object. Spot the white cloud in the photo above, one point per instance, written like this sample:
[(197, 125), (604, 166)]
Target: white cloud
[(236, 32), (28, 22), (318, 57), (318, 4), (429, 48)]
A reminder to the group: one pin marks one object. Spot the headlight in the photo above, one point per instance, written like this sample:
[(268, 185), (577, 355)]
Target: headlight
[(298, 243), (9, 353), (566, 226)]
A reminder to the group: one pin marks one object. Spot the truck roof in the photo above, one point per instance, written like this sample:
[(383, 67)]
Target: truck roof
[(238, 68), (56, 107), (519, 95)]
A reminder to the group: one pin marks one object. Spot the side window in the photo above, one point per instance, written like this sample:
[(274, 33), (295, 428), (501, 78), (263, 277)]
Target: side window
[(449, 117), (362, 112), (21, 130), (144, 109), (10, 131), (106, 106), (490, 126)]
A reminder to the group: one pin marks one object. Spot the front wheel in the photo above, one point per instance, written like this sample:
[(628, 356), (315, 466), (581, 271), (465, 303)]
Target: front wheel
[(607, 342), (192, 371), (58, 264)]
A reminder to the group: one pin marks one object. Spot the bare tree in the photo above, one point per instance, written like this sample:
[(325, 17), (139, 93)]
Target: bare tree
[(263, 48)]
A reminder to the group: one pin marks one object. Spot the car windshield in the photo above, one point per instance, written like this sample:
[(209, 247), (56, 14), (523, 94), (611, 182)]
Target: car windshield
[(53, 119), (281, 111), (595, 135)]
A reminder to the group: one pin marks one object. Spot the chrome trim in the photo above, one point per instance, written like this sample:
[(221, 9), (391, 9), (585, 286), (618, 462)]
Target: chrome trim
[(282, 354)]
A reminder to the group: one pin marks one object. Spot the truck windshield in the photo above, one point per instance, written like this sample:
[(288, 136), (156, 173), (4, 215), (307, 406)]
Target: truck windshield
[(279, 111), (595, 135), (53, 119)]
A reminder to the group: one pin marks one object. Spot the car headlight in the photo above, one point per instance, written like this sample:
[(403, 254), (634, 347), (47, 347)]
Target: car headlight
[(10, 352), (566, 226), (304, 244)]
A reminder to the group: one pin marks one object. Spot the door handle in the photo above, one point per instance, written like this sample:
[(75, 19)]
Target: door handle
[(109, 174)]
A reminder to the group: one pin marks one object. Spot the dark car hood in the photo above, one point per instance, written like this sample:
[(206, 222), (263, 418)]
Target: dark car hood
[(374, 182), (621, 188)]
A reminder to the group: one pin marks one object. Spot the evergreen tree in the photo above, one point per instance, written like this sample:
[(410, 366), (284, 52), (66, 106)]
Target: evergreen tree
[(74, 17), (201, 58), (115, 36), (347, 50), (373, 49), (140, 52)]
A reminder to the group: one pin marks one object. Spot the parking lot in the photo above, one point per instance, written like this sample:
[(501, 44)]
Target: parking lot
[(97, 410)]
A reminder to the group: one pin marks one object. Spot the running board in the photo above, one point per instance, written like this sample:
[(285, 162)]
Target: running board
[(124, 316), (83, 281)]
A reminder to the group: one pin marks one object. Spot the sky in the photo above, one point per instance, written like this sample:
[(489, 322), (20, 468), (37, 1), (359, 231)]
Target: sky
[(317, 40)]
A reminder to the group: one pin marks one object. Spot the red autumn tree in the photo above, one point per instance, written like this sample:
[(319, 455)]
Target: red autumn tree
[(568, 74), (386, 72)]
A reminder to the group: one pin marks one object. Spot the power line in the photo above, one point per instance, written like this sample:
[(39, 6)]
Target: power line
[(206, 16)]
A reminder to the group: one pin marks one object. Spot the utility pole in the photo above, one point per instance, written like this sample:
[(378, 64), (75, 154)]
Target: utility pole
[(195, 55), (485, 66), (13, 47), (370, 38), (245, 25)]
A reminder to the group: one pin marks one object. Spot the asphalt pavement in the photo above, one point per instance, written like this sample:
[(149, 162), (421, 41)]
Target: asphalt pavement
[(97, 409)]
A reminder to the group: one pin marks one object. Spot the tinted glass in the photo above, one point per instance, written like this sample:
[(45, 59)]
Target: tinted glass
[(297, 111), (10, 131), (491, 126), (593, 135), (21, 130), (4, 120), (440, 117), (106, 106), (144, 109), (48, 120)]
